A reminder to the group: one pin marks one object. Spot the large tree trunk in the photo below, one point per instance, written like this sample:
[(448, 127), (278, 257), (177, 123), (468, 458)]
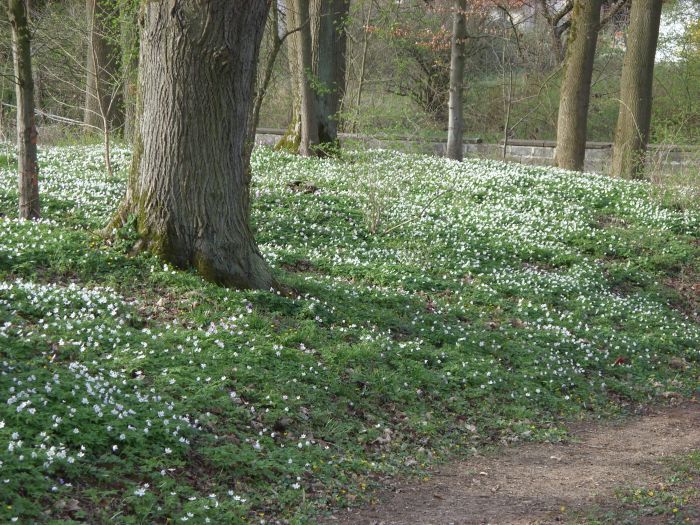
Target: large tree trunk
[(455, 130), (329, 65), (189, 184), (576, 85), (102, 94), (634, 119), (27, 165)]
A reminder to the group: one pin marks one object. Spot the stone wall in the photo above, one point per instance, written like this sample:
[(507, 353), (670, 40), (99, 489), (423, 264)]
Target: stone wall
[(538, 152)]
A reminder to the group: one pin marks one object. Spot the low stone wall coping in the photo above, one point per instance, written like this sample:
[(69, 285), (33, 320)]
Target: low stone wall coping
[(540, 152)]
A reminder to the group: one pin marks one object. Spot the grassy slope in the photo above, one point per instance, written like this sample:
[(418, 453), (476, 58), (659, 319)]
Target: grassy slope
[(504, 300)]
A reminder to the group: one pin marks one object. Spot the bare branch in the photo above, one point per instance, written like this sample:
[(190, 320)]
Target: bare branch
[(612, 12)]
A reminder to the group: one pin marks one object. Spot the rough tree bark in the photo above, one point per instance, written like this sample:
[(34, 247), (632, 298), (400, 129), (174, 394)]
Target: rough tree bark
[(102, 99), (634, 118), (576, 85), (188, 190), (27, 165), (455, 130)]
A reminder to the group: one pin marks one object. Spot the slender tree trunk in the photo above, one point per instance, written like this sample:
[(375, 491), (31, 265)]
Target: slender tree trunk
[(557, 45), (576, 85), (508, 103), (129, 61), (634, 119), (363, 61), (102, 64), (38, 87), (554, 14), (455, 130), (292, 138), (27, 165), (265, 75), (189, 184), (309, 130)]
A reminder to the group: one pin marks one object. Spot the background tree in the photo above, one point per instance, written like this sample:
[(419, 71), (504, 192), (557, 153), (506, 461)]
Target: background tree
[(572, 122), (329, 65), (275, 38), (188, 190), (102, 64), (317, 48), (419, 37), (363, 44), (558, 21), (557, 18), (309, 139), (455, 131), (634, 119), (397, 58), (27, 165), (129, 53)]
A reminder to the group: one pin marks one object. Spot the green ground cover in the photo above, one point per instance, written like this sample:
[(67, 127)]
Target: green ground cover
[(435, 307)]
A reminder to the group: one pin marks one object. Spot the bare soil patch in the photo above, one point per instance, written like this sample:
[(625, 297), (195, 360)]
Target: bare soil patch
[(541, 483), (687, 284)]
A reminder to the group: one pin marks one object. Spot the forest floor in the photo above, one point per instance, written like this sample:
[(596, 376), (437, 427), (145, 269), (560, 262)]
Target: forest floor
[(626, 471), (439, 310)]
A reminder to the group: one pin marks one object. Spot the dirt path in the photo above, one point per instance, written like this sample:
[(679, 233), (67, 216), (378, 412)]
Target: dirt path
[(530, 484)]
